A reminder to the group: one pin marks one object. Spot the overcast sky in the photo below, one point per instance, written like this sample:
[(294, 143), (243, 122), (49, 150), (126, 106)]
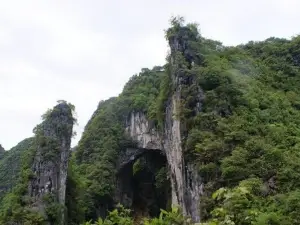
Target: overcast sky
[(84, 51)]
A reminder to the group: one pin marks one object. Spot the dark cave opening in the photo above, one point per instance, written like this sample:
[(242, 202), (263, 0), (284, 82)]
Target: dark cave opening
[(144, 185)]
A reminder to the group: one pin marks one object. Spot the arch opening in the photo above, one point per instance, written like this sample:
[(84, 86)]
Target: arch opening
[(144, 186)]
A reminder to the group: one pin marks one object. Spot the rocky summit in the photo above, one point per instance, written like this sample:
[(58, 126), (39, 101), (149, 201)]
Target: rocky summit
[(211, 137)]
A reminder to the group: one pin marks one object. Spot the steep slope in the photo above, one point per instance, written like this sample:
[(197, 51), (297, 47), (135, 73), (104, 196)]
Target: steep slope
[(39, 196), (214, 131), (10, 165), (105, 139), (2, 151), (223, 117)]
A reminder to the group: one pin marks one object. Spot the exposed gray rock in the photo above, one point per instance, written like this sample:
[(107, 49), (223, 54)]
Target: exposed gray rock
[(143, 132), (172, 145), (51, 159), (2, 150), (128, 156), (193, 191), (185, 181)]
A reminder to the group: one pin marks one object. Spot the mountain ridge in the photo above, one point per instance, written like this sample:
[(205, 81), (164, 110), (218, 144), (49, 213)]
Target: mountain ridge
[(214, 131)]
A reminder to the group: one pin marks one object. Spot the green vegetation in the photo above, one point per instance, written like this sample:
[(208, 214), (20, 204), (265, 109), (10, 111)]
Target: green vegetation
[(246, 133), (19, 206), (104, 138), (10, 165), (12, 208), (121, 216), (96, 156), (239, 109), (53, 209)]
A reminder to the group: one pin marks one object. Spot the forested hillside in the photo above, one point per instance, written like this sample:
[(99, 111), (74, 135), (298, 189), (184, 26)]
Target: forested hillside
[(236, 113), (244, 141), (10, 165), (38, 192), (2, 151)]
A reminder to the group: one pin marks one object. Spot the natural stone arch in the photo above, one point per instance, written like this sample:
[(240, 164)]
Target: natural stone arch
[(186, 184), (128, 183)]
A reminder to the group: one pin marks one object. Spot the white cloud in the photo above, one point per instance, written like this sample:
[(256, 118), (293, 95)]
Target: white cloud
[(85, 51)]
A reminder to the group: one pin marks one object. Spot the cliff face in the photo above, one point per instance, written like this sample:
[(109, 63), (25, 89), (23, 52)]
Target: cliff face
[(213, 116), (2, 151), (186, 184), (143, 132), (51, 159)]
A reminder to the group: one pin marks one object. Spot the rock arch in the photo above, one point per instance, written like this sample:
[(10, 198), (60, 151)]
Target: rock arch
[(138, 189), (186, 184)]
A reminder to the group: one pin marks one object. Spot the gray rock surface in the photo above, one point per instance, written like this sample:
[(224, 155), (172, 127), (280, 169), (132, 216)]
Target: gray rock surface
[(185, 182), (143, 132), (51, 159), (2, 151)]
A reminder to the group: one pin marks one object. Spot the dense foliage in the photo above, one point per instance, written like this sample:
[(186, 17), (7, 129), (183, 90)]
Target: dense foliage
[(12, 208), (19, 206), (104, 138), (245, 139), (121, 216), (240, 106), (247, 132), (10, 165)]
